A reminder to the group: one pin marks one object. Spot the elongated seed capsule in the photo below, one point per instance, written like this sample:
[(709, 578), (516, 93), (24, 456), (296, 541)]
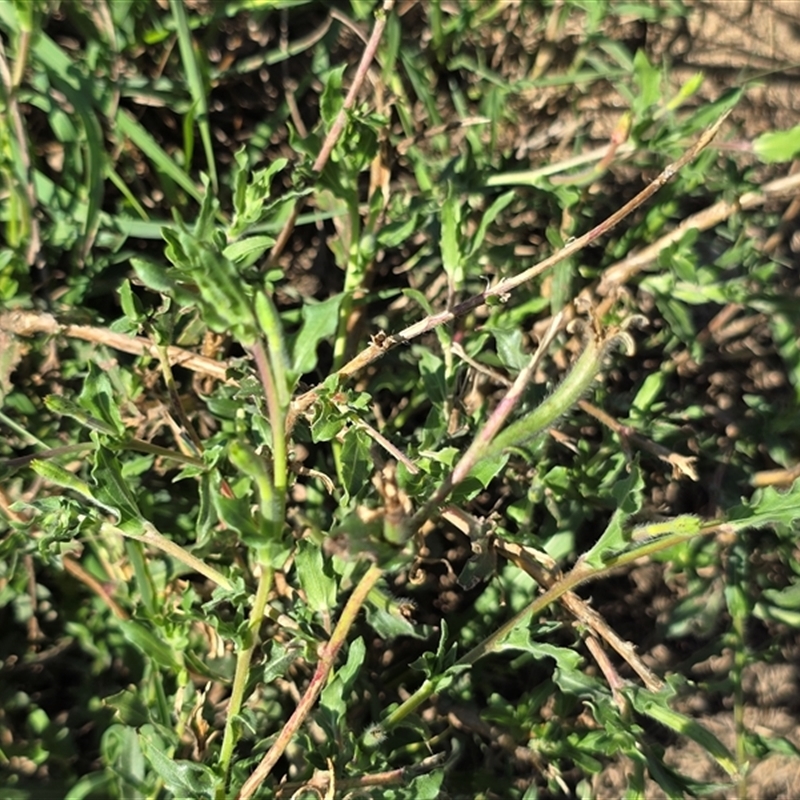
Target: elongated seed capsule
[(566, 394)]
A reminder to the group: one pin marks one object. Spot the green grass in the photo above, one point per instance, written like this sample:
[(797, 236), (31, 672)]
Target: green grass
[(335, 459)]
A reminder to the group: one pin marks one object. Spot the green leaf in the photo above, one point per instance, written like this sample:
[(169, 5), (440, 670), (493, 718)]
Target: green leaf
[(319, 323), (182, 778), (251, 199), (520, 639), (449, 241), (279, 661), (149, 645), (246, 251), (431, 369), (222, 299), (235, 513), (489, 216), (97, 397), (428, 786), (112, 488), (395, 233), (356, 461), (332, 98), (648, 81), (767, 507), (441, 667), (775, 146), (656, 708), (129, 707), (510, 348), (485, 471), (131, 306), (649, 392), (561, 285), (628, 495), (120, 748), (130, 127), (197, 88), (57, 475), (316, 578), (66, 408), (335, 695), (708, 113), (388, 621)]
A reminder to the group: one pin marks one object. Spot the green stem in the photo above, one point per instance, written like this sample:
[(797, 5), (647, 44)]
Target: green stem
[(152, 537), (580, 573), (240, 678)]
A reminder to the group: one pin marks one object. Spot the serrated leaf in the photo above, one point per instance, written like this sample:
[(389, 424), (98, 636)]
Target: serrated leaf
[(280, 659), (520, 639), (327, 424), (768, 507)]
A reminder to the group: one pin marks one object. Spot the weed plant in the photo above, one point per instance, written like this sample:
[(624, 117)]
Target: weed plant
[(337, 418)]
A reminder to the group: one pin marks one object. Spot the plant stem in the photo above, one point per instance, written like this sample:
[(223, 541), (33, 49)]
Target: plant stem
[(328, 655), (241, 675), (501, 289), (152, 537), (477, 450), (335, 132), (580, 573)]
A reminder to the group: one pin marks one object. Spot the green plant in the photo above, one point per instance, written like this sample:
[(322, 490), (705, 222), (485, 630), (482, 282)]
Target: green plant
[(227, 543)]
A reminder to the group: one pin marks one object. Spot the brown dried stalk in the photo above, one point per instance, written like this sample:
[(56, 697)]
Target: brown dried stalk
[(338, 126), (623, 271), (383, 344), (327, 658)]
